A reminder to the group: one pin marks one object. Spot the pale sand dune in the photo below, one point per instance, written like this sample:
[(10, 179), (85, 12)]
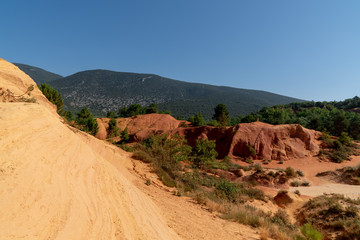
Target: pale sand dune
[(59, 183)]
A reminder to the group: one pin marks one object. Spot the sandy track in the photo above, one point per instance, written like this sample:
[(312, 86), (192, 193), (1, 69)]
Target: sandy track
[(350, 191), (311, 166), (54, 186)]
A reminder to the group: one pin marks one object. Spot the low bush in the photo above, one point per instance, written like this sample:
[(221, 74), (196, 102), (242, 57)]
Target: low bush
[(228, 190), (143, 156), (310, 233), (290, 172), (300, 173)]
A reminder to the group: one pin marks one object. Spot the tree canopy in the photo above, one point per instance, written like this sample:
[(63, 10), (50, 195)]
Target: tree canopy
[(221, 114), (86, 121)]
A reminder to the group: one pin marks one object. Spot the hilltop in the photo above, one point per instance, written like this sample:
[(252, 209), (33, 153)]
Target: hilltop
[(102, 91), (41, 75)]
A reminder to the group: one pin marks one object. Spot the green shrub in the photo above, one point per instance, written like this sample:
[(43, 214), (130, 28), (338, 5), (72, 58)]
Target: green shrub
[(165, 178), (290, 172), (310, 233), (251, 150), (305, 184), (165, 155), (253, 193), (338, 155), (244, 215), (203, 152), (228, 190), (281, 218), (124, 136), (258, 167), (143, 156), (113, 130), (111, 114), (248, 160), (295, 183), (53, 96), (200, 198), (86, 121), (197, 120), (345, 139), (300, 173)]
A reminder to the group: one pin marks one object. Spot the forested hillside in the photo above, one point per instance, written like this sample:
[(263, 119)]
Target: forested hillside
[(102, 91)]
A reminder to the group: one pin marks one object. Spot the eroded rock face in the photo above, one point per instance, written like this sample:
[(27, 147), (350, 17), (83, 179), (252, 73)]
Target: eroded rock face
[(279, 142), (141, 126)]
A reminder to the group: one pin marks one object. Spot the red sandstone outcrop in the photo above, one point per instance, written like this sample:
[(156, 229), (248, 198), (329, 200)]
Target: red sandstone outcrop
[(280, 142), (140, 126), (274, 142)]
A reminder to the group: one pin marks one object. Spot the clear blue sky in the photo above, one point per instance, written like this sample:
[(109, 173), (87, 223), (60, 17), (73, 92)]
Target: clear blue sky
[(306, 49)]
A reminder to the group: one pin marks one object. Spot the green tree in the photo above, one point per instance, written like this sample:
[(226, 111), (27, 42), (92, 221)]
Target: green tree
[(86, 121), (111, 114), (203, 152), (152, 108), (125, 136), (221, 114), (310, 233), (197, 120), (68, 115), (132, 110), (340, 123), (354, 128), (113, 130), (53, 96), (135, 109)]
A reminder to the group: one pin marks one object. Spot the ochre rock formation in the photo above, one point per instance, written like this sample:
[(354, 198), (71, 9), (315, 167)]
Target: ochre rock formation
[(280, 142), (140, 126)]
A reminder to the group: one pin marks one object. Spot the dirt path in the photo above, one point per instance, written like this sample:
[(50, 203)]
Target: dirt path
[(350, 191), (311, 166)]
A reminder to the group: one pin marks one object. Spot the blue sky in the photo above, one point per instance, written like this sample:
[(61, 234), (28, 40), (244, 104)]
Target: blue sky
[(305, 49)]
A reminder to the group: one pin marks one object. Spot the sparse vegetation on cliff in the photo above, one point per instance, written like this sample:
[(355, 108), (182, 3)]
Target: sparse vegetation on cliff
[(334, 215), (53, 96)]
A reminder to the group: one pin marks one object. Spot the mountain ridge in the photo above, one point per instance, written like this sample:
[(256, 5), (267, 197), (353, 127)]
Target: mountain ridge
[(106, 90), (39, 75)]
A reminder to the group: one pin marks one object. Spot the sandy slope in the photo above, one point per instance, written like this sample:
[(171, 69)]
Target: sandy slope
[(54, 186)]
